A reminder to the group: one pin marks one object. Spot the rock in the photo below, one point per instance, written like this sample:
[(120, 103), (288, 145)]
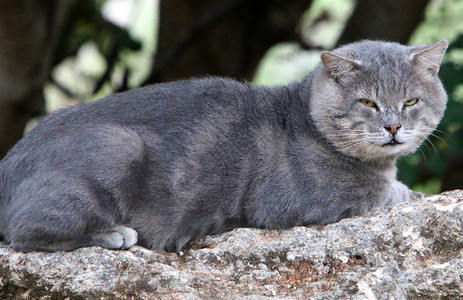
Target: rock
[(409, 251)]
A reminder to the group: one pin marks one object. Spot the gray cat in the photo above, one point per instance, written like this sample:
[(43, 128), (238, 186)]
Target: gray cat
[(167, 164)]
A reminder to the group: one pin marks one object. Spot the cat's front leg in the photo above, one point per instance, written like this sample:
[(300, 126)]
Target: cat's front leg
[(397, 192)]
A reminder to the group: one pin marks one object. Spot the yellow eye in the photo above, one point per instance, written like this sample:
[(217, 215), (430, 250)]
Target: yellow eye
[(411, 102), (368, 103)]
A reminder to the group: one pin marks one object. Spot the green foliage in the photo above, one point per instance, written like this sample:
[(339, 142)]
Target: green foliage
[(323, 23), (442, 21), (285, 63), (97, 57)]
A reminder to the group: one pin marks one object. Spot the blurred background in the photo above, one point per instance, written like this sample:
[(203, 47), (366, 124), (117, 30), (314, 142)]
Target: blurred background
[(56, 53)]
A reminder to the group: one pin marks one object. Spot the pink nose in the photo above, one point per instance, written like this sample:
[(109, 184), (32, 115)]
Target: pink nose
[(393, 128)]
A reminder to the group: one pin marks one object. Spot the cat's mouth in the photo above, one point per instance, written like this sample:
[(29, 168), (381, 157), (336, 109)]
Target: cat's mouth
[(392, 142)]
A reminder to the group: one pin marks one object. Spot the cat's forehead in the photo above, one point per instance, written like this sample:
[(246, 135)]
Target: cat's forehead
[(385, 67), (377, 54), (372, 50)]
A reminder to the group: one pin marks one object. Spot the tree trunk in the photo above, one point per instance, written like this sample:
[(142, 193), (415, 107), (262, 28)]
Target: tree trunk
[(390, 20), (221, 37), (28, 36)]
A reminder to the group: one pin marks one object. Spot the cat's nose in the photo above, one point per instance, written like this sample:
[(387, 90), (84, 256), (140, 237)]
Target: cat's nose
[(393, 128)]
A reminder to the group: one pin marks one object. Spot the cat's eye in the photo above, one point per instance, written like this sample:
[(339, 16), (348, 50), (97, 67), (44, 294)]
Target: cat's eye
[(411, 102), (368, 103)]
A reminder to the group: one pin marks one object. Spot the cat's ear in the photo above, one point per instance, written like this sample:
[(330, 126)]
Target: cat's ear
[(430, 57), (336, 66)]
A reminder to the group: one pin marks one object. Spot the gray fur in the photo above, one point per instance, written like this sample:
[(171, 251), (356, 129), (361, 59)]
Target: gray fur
[(174, 162)]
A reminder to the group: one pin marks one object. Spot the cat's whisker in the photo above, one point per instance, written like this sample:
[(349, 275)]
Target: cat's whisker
[(440, 131), (365, 149), (359, 146), (344, 135), (432, 144), (361, 136), (354, 138), (420, 141), (439, 138), (355, 141), (347, 144), (371, 146), (344, 130), (427, 140), (432, 133), (425, 144), (349, 134), (368, 135), (432, 129), (422, 153)]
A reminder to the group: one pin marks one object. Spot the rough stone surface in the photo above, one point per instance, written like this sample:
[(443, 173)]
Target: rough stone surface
[(410, 251)]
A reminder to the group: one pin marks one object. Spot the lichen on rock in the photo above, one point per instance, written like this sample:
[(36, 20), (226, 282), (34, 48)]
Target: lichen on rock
[(409, 251)]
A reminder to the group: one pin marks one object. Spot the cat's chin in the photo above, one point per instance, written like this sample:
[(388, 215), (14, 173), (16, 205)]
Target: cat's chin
[(388, 151), (393, 150)]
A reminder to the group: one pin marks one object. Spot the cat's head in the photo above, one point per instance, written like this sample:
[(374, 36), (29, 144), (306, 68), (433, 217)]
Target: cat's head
[(378, 100)]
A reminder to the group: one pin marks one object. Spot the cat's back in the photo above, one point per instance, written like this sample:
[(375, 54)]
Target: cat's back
[(160, 108), (160, 103), (161, 122)]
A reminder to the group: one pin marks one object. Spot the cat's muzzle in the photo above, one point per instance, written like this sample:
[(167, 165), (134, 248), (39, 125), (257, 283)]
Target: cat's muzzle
[(392, 142)]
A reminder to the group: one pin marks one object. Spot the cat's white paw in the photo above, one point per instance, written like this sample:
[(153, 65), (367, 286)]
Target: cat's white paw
[(110, 240), (121, 237), (129, 234)]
